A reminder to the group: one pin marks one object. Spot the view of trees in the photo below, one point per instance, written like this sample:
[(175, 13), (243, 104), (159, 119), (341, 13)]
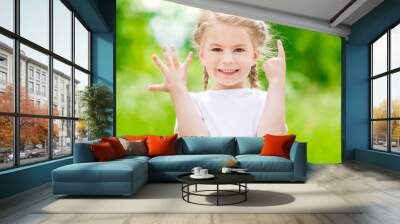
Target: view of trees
[(33, 131)]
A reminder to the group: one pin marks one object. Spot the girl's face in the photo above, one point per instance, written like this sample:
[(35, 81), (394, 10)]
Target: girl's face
[(227, 53)]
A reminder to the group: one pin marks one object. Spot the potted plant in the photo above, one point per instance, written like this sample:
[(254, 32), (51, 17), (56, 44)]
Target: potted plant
[(96, 102)]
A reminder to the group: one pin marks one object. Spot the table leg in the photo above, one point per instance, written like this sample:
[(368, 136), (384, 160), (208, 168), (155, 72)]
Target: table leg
[(217, 194), (245, 193), (196, 188)]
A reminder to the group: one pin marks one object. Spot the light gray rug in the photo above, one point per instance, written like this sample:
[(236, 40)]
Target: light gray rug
[(166, 198)]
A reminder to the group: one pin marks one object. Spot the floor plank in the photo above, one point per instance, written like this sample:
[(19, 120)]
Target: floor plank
[(378, 190)]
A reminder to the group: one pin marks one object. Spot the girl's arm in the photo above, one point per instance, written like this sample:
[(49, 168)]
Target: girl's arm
[(175, 76), (274, 114)]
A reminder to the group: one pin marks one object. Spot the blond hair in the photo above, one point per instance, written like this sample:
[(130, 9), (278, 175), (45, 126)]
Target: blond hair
[(258, 30)]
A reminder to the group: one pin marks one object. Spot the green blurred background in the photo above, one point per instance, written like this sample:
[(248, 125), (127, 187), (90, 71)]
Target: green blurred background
[(313, 75)]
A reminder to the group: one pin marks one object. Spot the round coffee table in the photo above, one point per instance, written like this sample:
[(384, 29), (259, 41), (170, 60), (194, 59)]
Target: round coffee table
[(238, 179)]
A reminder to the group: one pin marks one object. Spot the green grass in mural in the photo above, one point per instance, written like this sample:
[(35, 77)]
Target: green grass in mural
[(313, 81)]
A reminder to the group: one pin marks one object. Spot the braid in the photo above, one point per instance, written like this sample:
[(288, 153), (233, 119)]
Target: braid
[(253, 77), (205, 78)]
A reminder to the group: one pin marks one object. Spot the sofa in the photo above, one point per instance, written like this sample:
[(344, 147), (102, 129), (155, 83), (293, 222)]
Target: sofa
[(126, 175)]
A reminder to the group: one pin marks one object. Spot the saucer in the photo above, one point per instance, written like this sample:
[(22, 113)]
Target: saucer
[(208, 176)]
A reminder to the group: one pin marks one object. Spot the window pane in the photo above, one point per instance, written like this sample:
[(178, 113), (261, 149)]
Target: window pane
[(81, 131), (395, 94), (6, 74), (34, 76), (33, 140), (81, 45), (395, 136), (7, 14), (35, 21), (395, 47), (81, 81), (379, 100), (379, 135), (62, 89), (62, 141), (62, 29), (379, 55), (6, 142)]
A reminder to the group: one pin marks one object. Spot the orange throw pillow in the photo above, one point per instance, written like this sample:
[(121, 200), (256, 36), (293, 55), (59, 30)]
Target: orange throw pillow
[(275, 145), (116, 145), (161, 145), (103, 151)]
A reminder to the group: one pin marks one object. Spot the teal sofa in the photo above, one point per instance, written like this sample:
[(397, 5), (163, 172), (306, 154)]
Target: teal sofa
[(126, 175)]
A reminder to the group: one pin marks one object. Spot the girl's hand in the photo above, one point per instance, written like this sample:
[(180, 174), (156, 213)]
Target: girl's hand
[(275, 68), (175, 73)]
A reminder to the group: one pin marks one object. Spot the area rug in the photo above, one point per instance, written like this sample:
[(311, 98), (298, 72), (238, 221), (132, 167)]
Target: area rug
[(167, 198)]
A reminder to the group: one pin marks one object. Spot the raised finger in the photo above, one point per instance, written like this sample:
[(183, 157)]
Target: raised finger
[(281, 50), (159, 64), (175, 60), (187, 60), (157, 87), (167, 57)]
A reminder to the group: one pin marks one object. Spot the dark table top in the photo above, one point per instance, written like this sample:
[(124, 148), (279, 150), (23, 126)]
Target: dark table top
[(220, 178)]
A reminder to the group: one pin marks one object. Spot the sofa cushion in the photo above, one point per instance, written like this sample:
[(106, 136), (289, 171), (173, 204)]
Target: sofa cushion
[(206, 145), (116, 145), (257, 163), (103, 151), (161, 145), (249, 145), (277, 145), (185, 163)]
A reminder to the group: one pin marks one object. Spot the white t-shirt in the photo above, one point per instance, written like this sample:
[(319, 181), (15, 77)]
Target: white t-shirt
[(230, 112)]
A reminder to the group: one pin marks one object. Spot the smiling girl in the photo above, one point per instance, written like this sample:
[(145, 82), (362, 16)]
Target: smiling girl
[(228, 47)]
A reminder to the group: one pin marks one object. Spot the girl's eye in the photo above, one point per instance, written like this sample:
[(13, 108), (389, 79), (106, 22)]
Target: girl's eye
[(239, 50), (216, 49)]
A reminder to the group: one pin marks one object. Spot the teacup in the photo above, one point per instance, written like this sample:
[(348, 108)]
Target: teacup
[(196, 170), (203, 172)]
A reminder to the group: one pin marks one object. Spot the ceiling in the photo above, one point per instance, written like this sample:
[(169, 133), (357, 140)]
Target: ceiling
[(326, 16)]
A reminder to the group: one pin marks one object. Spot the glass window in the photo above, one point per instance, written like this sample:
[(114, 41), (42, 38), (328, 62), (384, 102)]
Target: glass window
[(81, 45), (62, 137), (62, 72), (3, 60), (30, 72), (379, 56), (7, 14), (395, 47), (62, 29), (81, 81), (34, 21), (379, 97), (395, 95), (40, 62), (395, 136), (33, 140), (379, 135), (6, 142), (81, 131), (6, 73), (30, 87)]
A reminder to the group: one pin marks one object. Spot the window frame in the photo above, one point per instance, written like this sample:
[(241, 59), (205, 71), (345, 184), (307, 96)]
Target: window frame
[(388, 74), (16, 115)]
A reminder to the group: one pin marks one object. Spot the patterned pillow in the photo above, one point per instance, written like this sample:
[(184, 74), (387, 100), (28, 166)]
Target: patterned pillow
[(134, 147)]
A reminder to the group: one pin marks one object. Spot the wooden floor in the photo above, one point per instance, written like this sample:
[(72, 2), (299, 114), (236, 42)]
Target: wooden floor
[(378, 188)]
